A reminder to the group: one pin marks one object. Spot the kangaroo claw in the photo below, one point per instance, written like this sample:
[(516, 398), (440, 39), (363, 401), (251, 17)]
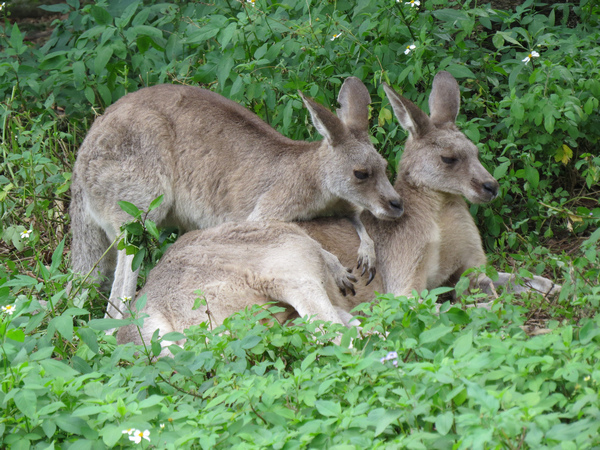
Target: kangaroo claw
[(372, 272)]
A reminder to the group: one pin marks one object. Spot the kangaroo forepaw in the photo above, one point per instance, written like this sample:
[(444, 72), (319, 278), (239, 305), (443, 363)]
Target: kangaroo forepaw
[(367, 260), (346, 283)]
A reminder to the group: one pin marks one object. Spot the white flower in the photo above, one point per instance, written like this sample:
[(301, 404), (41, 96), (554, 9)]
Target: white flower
[(389, 357), (26, 234), (413, 3), (2, 6), (8, 309), (162, 425), (409, 48), (587, 378), (129, 431), (139, 435), (532, 54), (126, 298), (335, 36), (251, 2)]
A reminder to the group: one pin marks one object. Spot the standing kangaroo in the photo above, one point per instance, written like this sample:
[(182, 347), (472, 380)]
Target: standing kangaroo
[(432, 244), (214, 162)]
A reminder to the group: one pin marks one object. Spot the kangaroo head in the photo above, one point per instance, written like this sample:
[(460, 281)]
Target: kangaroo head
[(351, 168), (437, 155)]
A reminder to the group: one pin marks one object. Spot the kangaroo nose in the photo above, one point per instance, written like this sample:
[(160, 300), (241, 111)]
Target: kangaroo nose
[(397, 206), (491, 188)]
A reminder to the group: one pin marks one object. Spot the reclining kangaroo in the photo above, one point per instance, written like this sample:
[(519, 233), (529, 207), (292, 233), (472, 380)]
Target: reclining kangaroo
[(237, 265), (214, 161), (432, 244)]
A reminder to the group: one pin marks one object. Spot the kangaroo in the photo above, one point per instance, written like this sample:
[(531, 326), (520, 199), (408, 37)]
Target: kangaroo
[(436, 240), (214, 162), (432, 244), (237, 265)]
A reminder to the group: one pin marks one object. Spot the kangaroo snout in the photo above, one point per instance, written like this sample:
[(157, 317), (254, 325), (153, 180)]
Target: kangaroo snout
[(397, 207), (392, 209), (491, 188)]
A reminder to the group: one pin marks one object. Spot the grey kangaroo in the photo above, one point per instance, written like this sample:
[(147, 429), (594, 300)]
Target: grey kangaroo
[(214, 162), (436, 240), (432, 244), (237, 265)]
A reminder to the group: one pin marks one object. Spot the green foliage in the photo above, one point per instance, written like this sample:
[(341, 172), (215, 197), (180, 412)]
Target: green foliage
[(461, 379), (468, 379)]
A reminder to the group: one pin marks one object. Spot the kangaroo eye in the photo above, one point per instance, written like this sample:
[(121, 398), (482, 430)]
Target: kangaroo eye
[(447, 160), (361, 174)]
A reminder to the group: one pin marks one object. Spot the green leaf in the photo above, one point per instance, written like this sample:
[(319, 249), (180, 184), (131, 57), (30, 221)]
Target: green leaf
[(460, 71), (111, 435), (156, 202), (64, 326), (89, 338), (463, 345), (16, 334), (152, 229), (57, 256), (532, 176), (443, 422), (174, 336), (16, 37), (328, 408), (250, 341), (435, 334), (501, 170), (130, 208), (138, 259), (226, 34), (224, 69), (56, 368), (107, 324), (101, 15), (102, 58), (26, 401), (381, 418)]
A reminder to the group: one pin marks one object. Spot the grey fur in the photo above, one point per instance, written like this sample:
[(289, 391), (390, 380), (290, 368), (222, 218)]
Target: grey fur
[(214, 161)]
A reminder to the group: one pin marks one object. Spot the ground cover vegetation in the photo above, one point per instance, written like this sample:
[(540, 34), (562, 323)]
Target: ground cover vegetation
[(530, 85)]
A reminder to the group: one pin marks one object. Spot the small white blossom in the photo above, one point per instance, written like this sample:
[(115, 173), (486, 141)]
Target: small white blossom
[(390, 356), (409, 48), (251, 2), (335, 36), (128, 431), (532, 54), (126, 298), (413, 3), (139, 435), (162, 425), (8, 309), (2, 5), (26, 234), (587, 378)]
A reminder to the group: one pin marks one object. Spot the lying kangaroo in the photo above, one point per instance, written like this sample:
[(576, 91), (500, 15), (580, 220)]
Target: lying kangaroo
[(432, 244), (237, 265), (214, 161)]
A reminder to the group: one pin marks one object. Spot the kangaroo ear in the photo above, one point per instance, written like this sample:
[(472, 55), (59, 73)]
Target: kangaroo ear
[(444, 100), (327, 124), (410, 116), (354, 100)]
